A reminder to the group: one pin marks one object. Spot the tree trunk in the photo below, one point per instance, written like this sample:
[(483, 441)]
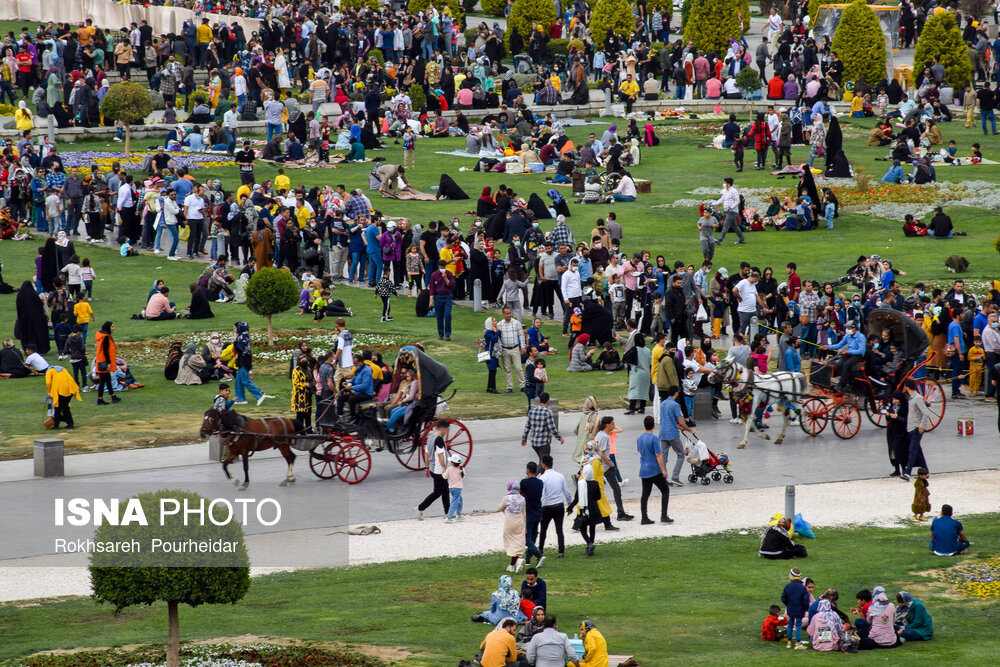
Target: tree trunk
[(173, 635), (270, 333), (128, 137)]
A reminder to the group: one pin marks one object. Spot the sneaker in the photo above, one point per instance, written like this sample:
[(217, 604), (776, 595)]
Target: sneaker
[(675, 482), (222, 300), (417, 513), (734, 420), (624, 481), (101, 401), (519, 565), (802, 646), (540, 561), (156, 251), (790, 644), (904, 477), (382, 320), (173, 258), (115, 399), (666, 519), (625, 517), (611, 529), (388, 319), (239, 402), (646, 521), (261, 399), (510, 568), (449, 521)]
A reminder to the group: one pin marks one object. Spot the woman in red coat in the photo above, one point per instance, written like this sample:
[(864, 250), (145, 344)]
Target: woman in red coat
[(761, 134)]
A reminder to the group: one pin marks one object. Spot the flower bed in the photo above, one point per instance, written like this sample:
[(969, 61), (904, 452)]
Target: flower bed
[(104, 159), (980, 579), (285, 341), (210, 655)]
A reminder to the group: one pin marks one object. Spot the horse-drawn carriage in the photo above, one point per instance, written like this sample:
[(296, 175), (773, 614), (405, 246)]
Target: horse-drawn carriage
[(342, 449), (843, 408)]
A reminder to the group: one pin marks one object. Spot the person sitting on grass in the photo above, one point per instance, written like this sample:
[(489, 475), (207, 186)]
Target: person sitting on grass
[(159, 306), (499, 649), (505, 603), (878, 630), (775, 544), (947, 534), (825, 628), (913, 621)]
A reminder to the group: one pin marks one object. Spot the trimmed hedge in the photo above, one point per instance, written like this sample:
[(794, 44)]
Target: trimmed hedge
[(860, 44), (711, 23), (493, 7), (942, 38), (526, 12), (613, 16)]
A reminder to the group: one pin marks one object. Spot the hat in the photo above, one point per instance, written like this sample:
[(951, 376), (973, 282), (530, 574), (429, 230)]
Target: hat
[(724, 272), (795, 573), (455, 458), (390, 225)]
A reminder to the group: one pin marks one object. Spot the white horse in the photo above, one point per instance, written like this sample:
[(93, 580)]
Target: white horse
[(783, 388)]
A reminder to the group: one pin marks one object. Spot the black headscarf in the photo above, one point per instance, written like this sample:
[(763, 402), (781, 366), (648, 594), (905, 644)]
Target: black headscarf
[(200, 308), (448, 189), (50, 264), (31, 327), (538, 207), (838, 166), (807, 186), (834, 138)]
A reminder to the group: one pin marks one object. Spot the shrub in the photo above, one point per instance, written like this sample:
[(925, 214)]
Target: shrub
[(357, 4), (556, 47), (942, 38), (146, 576), (493, 7), (685, 12), (418, 99), (526, 12), (269, 292), (457, 10), (711, 23), (128, 102), (377, 55), (748, 81), (860, 44), (470, 36), (614, 16), (814, 10)]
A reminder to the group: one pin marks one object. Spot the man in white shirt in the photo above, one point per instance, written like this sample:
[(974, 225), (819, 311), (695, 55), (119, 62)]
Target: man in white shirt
[(730, 203), (345, 354), (554, 492), (773, 30), (746, 293), (194, 206), (572, 291)]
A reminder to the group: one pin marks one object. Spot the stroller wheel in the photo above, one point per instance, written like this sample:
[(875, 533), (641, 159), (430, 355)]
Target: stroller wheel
[(716, 476), (705, 481), (692, 478), (728, 479)]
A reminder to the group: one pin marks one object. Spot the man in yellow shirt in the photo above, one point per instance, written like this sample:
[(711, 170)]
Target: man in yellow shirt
[(282, 182), (302, 214), (61, 387), (83, 313), (204, 38), (500, 647), (629, 92)]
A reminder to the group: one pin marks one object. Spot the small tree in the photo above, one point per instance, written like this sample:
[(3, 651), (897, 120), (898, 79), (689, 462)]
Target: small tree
[(417, 96), (269, 292), (129, 103), (457, 10), (860, 44), (685, 13), (526, 12), (614, 16), (942, 39), (357, 4), (974, 8), (146, 576), (748, 81), (711, 24), (493, 7)]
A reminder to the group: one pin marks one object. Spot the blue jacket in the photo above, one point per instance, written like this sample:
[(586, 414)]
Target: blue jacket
[(894, 175), (795, 597), (361, 383), (855, 343), (793, 362)]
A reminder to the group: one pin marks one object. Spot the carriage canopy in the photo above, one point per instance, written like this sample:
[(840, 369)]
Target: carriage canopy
[(902, 329), (432, 375)]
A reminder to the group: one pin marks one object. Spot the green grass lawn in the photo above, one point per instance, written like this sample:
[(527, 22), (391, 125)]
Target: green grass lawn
[(167, 412), (697, 600)]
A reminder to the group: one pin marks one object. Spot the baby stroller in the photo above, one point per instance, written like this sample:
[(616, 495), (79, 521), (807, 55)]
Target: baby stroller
[(705, 464)]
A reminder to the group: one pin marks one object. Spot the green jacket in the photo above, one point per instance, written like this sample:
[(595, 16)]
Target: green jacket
[(919, 621)]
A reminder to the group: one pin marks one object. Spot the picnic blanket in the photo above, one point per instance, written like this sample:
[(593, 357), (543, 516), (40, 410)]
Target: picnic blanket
[(411, 195), (458, 152), (793, 170)]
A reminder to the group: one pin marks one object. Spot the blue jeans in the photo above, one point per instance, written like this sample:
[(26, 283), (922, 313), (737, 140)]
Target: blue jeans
[(621, 197), (983, 115), (41, 222), (157, 237), (915, 451), (273, 129), (962, 546), (455, 508), (175, 239), (560, 178), (808, 335), (956, 376), (442, 310), (359, 264), (531, 536), (679, 92), (83, 331), (374, 267), (950, 234), (240, 101), (394, 416), (245, 384), (795, 623)]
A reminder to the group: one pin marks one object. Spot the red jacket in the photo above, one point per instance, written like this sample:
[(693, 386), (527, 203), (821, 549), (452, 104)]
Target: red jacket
[(769, 629), (761, 134)]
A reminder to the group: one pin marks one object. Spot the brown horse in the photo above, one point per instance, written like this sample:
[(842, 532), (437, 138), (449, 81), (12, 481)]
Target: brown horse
[(243, 436)]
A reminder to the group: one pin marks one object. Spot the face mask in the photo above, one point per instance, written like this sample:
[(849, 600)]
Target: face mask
[(517, 244), (572, 268), (597, 246), (535, 225), (994, 325)]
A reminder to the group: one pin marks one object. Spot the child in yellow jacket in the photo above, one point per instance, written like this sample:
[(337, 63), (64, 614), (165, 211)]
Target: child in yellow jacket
[(977, 355)]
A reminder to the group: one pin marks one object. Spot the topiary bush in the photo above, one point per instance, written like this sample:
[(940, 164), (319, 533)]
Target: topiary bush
[(614, 16), (128, 102), (860, 44), (711, 23), (457, 10), (493, 7), (377, 55), (685, 12), (357, 4), (418, 99), (270, 292), (526, 12), (942, 38)]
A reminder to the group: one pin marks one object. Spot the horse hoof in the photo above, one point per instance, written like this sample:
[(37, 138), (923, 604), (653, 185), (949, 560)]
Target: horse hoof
[(283, 482), (243, 487), (235, 482), (741, 445), (778, 441), (291, 480), (765, 436)]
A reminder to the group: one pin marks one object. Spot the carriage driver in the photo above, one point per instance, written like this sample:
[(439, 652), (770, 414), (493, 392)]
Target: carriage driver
[(853, 352), (361, 388)]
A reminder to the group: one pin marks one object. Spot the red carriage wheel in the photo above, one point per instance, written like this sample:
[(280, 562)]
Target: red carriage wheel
[(813, 417), (873, 408), (935, 399), (353, 462), (412, 455), (458, 439), (324, 464), (846, 420)]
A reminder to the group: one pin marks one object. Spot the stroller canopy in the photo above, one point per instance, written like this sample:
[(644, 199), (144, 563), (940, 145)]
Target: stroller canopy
[(432, 375), (902, 329)]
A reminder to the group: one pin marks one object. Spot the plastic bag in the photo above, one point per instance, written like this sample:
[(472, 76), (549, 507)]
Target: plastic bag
[(803, 528)]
